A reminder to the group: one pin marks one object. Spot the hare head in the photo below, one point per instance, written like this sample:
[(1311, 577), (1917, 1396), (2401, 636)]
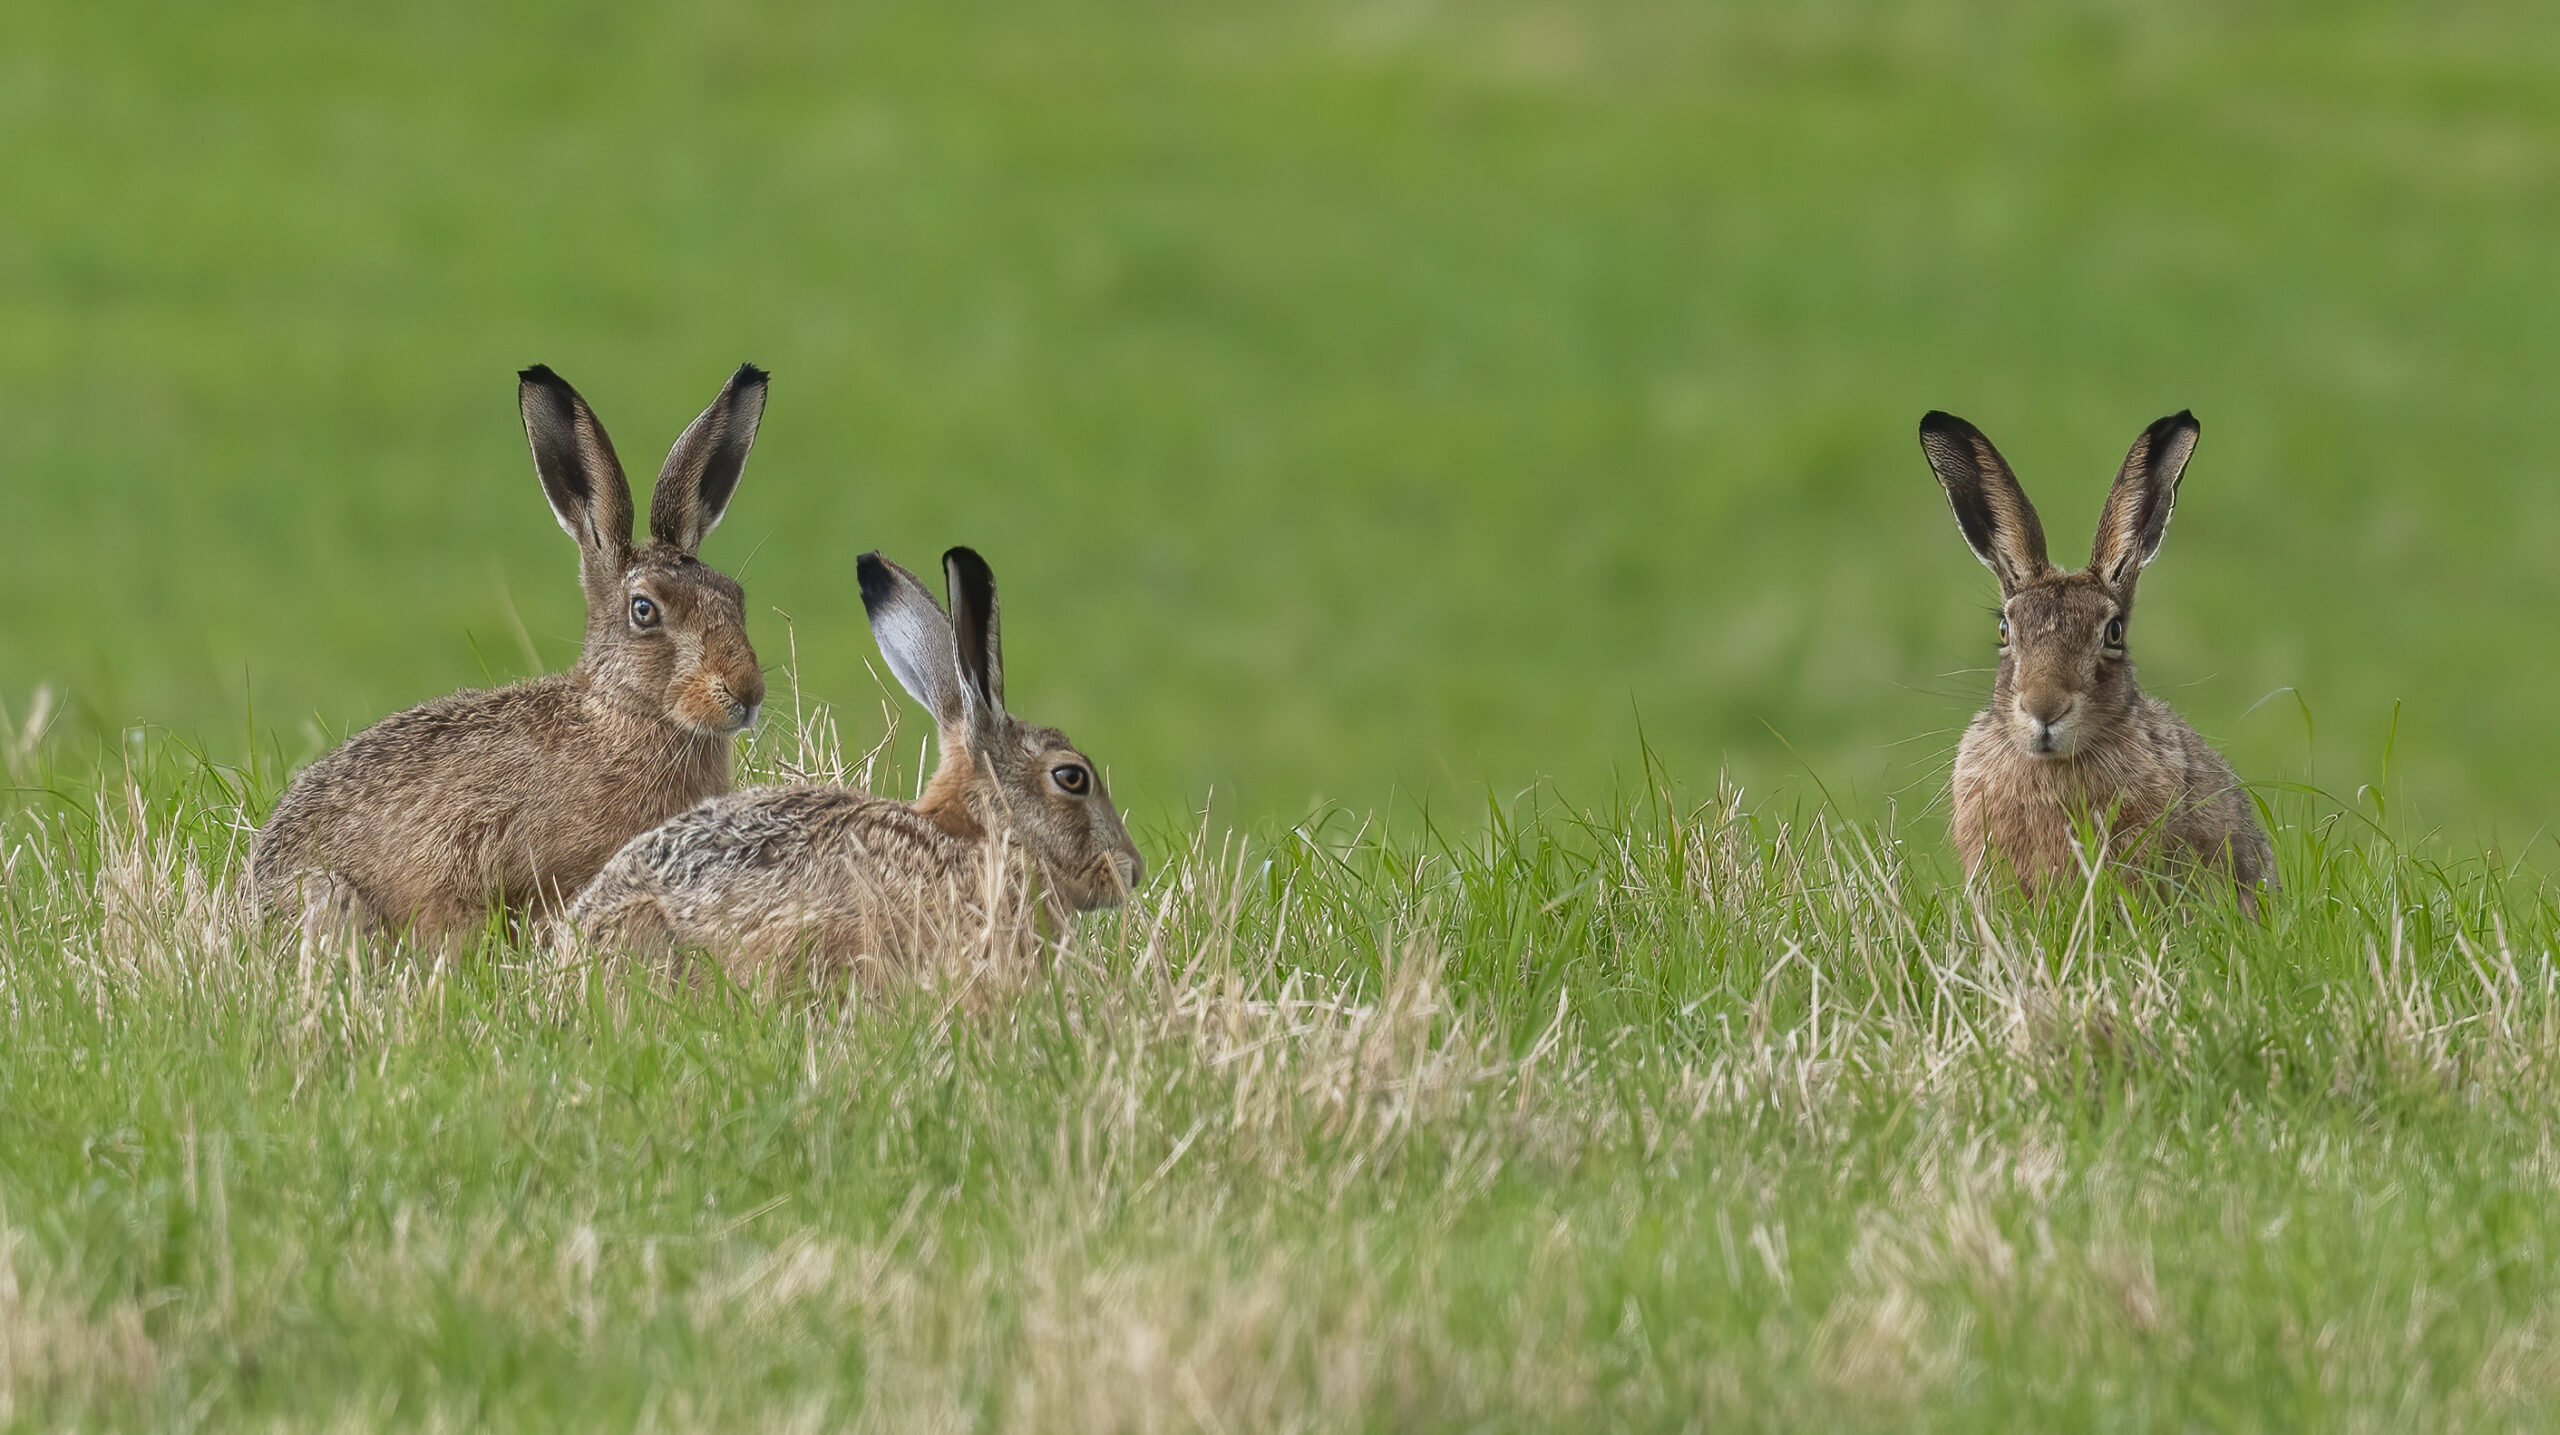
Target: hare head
[(666, 634), (2066, 678), (998, 773)]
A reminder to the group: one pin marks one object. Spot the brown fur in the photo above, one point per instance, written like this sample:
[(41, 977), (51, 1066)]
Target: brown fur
[(2069, 741), (828, 881), (514, 797)]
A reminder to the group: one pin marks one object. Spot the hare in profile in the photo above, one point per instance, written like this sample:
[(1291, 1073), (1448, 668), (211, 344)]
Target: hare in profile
[(2069, 738), (1014, 825), (513, 797)]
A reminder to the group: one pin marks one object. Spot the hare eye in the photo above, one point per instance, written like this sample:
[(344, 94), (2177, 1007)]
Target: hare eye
[(1071, 778), (644, 613), (2115, 632), (2004, 632)]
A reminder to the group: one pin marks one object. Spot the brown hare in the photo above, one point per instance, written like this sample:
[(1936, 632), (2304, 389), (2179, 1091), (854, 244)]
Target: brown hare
[(1015, 824), (513, 797), (2069, 739)]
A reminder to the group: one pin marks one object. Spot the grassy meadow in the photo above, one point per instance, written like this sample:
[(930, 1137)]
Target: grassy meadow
[(1454, 464), (1679, 1115)]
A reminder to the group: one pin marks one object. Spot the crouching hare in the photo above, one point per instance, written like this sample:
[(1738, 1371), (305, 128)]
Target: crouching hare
[(823, 881), (513, 797), (2069, 739)]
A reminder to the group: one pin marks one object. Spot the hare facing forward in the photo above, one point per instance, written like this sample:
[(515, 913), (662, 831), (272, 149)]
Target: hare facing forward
[(513, 797), (2069, 740), (1015, 824)]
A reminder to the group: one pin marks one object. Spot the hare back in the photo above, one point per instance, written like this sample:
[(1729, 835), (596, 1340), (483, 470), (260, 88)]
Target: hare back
[(826, 876), (510, 796), (2159, 792)]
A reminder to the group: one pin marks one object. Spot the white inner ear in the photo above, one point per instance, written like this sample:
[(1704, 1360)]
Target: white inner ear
[(908, 638)]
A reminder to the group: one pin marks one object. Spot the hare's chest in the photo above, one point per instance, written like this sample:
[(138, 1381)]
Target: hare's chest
[(2043, 818)]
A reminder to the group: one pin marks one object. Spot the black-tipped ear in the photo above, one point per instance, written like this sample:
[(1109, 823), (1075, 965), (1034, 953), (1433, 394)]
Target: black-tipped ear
[(702, 470), (580, 476), (1991, 510), (2136, 517), (914, 636), (976, 629), (878, 587)]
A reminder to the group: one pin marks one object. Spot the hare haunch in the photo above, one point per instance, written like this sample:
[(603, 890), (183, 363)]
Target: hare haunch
[(831, 880), (515, 796), (2069, 740)]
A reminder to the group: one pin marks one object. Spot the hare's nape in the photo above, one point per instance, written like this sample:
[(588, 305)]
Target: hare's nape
[(703, 467), (1991, 509), (2136, 515), (581, 476)]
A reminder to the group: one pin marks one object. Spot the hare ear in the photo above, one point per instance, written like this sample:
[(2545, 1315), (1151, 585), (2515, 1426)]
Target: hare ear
[(913, 635), (580, 476), (977, 640), (1991, 510), (702, 469), (2137, 512)]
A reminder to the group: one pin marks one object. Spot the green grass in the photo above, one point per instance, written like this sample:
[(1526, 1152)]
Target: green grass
[(1684, 1114), (1355, 397)]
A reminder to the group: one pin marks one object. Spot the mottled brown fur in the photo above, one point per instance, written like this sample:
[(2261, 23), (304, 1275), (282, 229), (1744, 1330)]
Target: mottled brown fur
[(827, 881), (2069, 742), (514, 797)]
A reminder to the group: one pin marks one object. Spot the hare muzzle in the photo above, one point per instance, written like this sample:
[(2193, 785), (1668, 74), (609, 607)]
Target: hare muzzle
[(2048, 724), (739, 714), (731, 701)]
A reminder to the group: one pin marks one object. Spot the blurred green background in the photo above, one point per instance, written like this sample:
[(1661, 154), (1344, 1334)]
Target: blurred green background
[(1354, 398)]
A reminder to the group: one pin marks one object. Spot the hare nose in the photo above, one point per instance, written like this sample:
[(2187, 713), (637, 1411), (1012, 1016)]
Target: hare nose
[(744, 687), (2046, 709)]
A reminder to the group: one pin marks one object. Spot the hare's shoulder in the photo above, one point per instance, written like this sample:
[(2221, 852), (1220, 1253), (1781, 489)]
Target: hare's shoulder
[(2172, 744)]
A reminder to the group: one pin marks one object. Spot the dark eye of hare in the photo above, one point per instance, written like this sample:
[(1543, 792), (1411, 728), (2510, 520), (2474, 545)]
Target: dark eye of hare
[(644, 613), (1071, 778), (2004, 632), (2115, 632)]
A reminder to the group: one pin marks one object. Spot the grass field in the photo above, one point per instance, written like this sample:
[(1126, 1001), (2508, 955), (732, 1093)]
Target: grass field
[(1457, 437), (1683, 1115)]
